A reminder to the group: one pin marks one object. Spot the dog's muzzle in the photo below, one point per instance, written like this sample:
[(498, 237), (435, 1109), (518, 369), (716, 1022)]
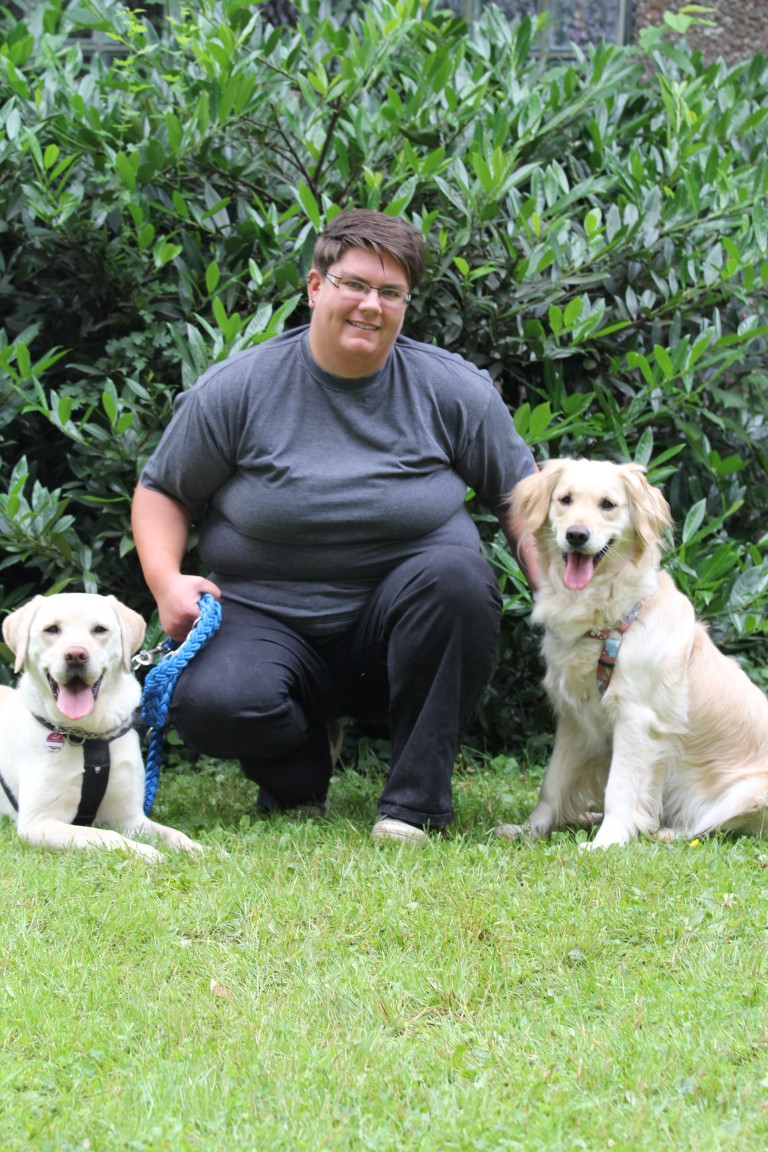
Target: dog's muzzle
[(580, 565), (74, 697)]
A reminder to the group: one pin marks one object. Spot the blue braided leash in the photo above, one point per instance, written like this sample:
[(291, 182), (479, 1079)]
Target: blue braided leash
[(160, 683)]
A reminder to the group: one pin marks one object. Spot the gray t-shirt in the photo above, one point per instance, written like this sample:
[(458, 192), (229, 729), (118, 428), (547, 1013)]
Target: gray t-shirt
[(314, 487)]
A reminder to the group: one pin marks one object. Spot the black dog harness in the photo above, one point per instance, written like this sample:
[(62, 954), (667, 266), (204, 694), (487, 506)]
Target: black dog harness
[(95, 766)]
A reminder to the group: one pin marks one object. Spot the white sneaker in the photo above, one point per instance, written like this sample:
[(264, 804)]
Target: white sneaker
[(388, 828)]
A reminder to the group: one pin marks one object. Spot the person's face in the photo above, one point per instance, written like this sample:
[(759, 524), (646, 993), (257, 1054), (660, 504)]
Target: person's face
[(353, 336)]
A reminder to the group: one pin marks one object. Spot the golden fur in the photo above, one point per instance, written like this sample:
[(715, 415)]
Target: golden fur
[(678, 743)]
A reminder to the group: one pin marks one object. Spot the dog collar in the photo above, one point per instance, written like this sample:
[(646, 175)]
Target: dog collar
[(609, 653), (78, 737)]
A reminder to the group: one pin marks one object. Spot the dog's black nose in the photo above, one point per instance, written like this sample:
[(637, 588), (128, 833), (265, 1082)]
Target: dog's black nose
[(76, 656), (577, 535)]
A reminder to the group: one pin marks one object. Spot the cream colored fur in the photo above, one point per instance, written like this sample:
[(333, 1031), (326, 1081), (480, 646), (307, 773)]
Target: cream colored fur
[(678, 744), (56, 639)]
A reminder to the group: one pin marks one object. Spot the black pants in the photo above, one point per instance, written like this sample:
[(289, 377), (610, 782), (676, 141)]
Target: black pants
[(419, 657)]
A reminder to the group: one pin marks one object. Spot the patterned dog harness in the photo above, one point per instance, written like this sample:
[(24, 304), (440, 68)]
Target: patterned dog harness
[(609, 653)]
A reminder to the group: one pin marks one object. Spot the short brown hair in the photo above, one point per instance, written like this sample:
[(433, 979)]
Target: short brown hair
[(385, 235)]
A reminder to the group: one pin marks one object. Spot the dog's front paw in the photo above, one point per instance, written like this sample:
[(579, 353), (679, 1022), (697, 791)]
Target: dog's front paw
[(171, 837), (145, 850), (512, 831), (545, 818), (182, 843), (609, 835)]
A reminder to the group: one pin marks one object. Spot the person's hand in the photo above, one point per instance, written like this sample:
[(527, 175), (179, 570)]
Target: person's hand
[(179, 604)]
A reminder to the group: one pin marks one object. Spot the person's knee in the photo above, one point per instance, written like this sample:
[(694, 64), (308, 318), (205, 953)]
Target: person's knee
[(260, 717), (451, 601), (461, 582)]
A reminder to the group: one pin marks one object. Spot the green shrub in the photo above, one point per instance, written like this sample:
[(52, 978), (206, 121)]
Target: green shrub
[(598, 242)]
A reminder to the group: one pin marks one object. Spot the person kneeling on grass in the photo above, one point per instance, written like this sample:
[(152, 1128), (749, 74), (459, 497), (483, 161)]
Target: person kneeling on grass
[(330, 466)]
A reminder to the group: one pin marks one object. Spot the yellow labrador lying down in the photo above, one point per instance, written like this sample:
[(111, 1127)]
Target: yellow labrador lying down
[(69, 756), (656, 729)]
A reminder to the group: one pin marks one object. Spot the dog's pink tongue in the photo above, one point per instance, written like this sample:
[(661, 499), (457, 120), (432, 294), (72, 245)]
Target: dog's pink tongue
[(579, 570), (75, 700)]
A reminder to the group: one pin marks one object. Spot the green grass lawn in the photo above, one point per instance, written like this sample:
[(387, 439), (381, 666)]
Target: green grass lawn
[(299, 987)]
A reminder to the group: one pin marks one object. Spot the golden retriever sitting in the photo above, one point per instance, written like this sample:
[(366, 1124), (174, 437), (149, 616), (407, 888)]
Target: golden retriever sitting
[(656, 729), (70, 758)]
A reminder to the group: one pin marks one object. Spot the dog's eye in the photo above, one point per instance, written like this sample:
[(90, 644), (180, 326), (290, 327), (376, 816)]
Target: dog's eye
[(565, 500), (52, 630), (99, 630), (607, 505)]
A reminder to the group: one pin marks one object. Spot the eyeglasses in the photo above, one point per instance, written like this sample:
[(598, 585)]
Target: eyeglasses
[(359, 289)]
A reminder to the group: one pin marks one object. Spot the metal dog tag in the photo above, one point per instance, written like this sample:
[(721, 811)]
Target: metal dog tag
[(55, 741)]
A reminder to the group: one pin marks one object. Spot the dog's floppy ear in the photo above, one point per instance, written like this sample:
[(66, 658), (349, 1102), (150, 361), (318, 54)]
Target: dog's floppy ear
[(132, 629), (651, 516), (16, 628), (529, 500)]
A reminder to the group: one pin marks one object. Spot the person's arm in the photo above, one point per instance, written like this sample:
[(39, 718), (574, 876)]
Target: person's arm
[(161, 530), (491, 460), (522, 545)]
